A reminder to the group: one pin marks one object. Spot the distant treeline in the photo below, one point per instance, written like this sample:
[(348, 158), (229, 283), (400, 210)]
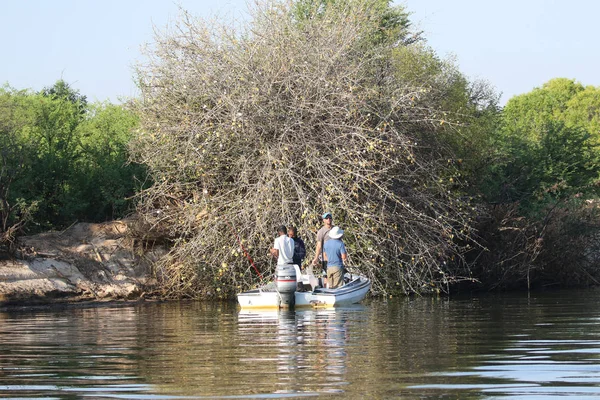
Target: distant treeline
[(436, 185)]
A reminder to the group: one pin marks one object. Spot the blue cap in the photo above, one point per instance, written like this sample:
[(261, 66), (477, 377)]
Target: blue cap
[(327, 215)]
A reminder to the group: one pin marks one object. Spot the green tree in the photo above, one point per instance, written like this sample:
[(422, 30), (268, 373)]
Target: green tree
[(15, 155), (105, 178), (548, 145), (583, 110), (64, 160), (392, 24), (62, 90), (526, 114), (56, 138)]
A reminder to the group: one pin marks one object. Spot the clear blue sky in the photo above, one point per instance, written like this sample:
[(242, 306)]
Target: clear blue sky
[(515, 45)]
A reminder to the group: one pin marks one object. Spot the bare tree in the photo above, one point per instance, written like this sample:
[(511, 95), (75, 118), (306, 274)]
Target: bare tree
[(277, 121)]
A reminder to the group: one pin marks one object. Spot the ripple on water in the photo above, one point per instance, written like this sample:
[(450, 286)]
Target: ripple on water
[(486, 347)]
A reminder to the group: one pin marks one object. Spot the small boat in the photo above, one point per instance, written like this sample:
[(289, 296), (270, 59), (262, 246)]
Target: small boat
[(289, 291)]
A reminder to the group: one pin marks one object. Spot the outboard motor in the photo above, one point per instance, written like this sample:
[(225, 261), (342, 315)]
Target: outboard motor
[(286, 285)]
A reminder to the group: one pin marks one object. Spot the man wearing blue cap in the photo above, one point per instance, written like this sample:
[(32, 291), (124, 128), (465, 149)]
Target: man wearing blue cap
[(322, 237)]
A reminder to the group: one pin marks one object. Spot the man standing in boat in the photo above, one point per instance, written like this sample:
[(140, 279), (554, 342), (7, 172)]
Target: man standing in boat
[(299, 249), (336, 256), (322, 237), (283, 248)]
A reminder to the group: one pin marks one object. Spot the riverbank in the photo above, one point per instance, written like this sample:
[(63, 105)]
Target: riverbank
[(84, 263)]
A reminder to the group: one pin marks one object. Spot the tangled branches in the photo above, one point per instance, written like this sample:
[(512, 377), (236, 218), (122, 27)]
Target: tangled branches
[(559, 250), (243, 131)]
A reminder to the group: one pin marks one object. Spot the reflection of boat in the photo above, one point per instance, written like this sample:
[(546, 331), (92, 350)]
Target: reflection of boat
[(284, 294), (259, 316)]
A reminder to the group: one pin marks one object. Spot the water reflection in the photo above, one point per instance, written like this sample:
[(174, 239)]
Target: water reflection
[(42, 355), (518, 346), (310, 347), (545, 346)]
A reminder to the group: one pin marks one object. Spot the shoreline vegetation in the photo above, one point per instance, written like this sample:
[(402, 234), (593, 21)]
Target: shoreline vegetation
[(310, 106)]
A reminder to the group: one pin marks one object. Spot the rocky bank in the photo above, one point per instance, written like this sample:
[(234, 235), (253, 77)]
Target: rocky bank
[(86, 262)]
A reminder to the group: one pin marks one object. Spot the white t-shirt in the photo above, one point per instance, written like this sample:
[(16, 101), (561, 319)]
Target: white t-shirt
[(285, 245)]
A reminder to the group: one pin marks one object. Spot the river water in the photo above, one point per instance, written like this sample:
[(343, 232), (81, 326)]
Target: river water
[(537, 346)]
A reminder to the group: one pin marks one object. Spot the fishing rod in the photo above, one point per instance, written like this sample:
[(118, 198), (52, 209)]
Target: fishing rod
[(243, 248)]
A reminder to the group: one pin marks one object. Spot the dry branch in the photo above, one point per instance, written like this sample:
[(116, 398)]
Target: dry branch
[(283, 120)]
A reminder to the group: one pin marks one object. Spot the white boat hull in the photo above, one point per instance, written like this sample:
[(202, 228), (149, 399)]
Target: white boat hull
[(352, 292)]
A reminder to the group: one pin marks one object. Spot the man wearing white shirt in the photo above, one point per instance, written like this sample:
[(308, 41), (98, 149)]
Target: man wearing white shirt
[(283, 248)]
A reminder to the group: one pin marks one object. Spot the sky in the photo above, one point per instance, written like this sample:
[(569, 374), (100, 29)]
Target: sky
[(515, 45)]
